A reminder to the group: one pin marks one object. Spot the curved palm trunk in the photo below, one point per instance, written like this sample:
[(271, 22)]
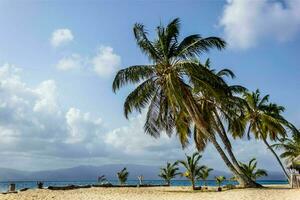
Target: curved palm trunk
[(226, 141), (277, 158), (230, 152), (243, 180), (193, 111)]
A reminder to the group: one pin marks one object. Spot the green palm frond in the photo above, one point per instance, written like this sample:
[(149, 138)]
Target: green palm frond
[(200, 139), (204, 174), (169, 172), (195, 45), (132, 75), (183, 124), (140, 97), (250, 169), (123, 175), (290, 147), (144, 43), (226, 72), (220, 179), (166, 86), (260, 173), (192, 167), (265, 119)]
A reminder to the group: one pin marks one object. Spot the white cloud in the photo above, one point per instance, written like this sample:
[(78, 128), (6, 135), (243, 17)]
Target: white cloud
[(46, 98), (82, 126), (140, 143), (34, 129), (61, 36), (33, 124), (106, 62), (248, 22), (68, 63)]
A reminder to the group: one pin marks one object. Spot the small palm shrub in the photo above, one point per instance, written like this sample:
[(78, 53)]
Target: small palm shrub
[(169, 172), (193, 169), (123, 175), (102, 179), (250, 170), (204, 175), (219, 181)]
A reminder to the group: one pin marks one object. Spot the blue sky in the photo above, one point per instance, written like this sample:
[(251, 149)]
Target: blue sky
[(58, 59)]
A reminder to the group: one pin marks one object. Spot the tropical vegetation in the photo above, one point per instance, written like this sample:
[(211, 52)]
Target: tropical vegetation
[(102, 179), (183, 96), (251, 171), (165, 88), (192, 167), (291, 150), (169, 172), (204, 174), (123, 175), (266, 121), (223, 118), (219, 181)]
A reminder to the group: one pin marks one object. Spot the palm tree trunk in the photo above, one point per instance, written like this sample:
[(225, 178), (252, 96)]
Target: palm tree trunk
[(193, 184), (226, 142), (243, 180), (276, 156), (193, 111)]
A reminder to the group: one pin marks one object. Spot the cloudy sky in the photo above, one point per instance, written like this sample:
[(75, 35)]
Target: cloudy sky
[(58, 58)]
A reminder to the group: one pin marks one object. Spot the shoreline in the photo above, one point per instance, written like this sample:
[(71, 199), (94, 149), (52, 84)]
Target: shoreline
[(272, 192), (109, 185)]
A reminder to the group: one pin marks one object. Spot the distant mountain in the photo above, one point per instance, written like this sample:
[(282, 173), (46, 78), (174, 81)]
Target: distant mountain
[(92, 172)]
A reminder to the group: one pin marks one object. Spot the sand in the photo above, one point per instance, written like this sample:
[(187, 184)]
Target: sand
[(279, 192)]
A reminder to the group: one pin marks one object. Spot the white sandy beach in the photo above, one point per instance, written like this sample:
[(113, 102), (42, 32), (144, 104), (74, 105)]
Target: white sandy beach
[(279, 192)]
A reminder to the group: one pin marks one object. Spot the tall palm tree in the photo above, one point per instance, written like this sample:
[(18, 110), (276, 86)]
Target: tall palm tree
[(265, 121), (193, 169), (251, 171), (169, 172), (165, 85), (204, 174), (222, 113), (122, 176)]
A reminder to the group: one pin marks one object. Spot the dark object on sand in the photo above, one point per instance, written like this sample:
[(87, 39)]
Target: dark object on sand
[(108, 185), (40, 184), (68, 187), (126, 186), (198, 188), (24, 189), (103, 185)]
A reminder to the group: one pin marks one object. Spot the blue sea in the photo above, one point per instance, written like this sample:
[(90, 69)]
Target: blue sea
[(33, 184)]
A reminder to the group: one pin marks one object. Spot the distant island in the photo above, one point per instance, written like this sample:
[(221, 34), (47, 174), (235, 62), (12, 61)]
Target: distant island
[(87, 172)]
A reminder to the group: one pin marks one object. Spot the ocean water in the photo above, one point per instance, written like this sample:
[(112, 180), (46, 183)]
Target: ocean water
[(33, 184)]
